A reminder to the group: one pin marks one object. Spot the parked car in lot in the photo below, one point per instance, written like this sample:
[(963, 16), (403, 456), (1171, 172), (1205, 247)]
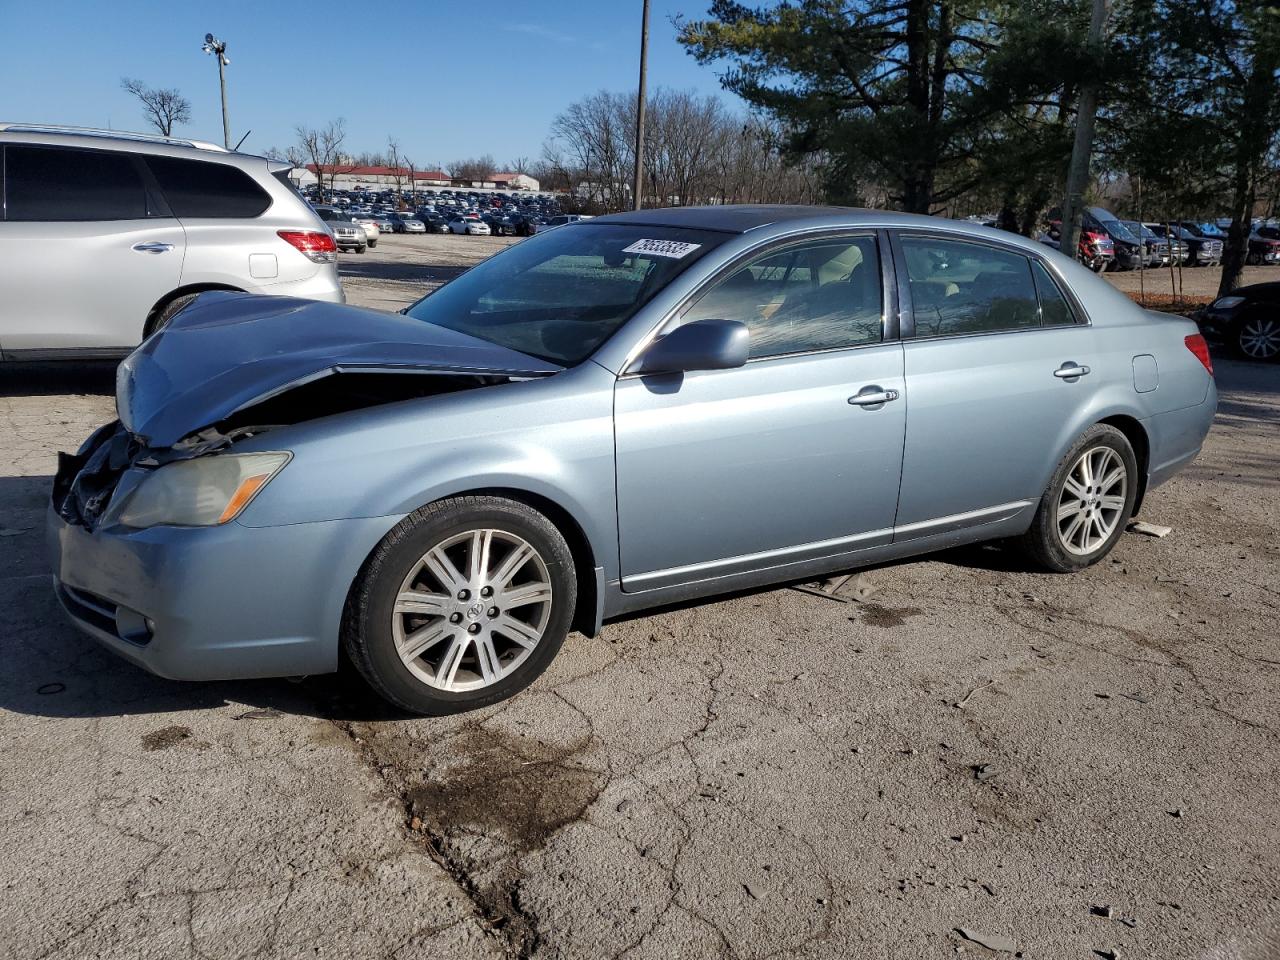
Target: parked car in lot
[(468, 223), (104, 236), (1247, 319), (372, 231), (642, 409), (434, 222), (1206, 246), (1179, 249), (407, 223), (347, 233), (1130, 252), (1094, 249), (1156, 246), (1263, 250)]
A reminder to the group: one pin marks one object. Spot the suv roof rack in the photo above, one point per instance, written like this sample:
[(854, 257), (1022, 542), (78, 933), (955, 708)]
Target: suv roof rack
[(112, 134)]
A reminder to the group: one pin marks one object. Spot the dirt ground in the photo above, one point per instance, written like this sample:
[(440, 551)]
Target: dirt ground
[(1063, 767), (1191, 283)]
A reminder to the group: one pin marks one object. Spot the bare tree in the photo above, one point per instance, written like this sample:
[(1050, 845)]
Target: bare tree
[(393, 163), (323, 148), (473, 168), (163, 108), (520, 165), (696, 151)]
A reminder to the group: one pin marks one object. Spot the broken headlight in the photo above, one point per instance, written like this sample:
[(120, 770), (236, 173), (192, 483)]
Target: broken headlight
[(203, 492)]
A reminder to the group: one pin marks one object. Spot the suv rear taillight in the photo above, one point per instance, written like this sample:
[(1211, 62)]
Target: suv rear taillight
[(315, 246), (1195, 343)]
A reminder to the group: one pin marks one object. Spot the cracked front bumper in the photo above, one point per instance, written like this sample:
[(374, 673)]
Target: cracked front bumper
[(213, 603)]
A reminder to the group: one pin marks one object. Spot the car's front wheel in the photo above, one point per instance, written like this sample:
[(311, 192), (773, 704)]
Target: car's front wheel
[(1087, 504), (463, 604)]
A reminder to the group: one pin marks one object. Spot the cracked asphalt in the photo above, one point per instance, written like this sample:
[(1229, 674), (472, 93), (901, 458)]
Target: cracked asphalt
[(1074, 765)]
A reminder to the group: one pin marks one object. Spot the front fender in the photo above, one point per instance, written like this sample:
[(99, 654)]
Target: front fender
[(552, 438)]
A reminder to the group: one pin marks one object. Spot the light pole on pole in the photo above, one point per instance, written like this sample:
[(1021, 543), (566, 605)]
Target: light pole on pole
[(219, 49)]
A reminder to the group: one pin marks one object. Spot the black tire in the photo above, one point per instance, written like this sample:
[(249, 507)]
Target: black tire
[(1246, 342), (367, 633), (359, 249), (1043, 543), (170, 310), (372, 244)]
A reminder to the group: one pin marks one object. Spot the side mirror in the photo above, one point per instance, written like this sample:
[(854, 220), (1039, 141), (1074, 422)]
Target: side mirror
[(701, 345)]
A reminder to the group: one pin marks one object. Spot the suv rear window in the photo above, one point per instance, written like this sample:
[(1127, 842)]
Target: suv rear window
[(196, 188), (55, 183)]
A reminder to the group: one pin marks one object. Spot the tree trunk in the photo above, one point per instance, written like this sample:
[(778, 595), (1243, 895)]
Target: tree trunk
[(1251, 150), (1082, 149)]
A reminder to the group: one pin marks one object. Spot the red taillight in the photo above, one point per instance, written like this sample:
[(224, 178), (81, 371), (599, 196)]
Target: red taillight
[(316, 246), (1195, 343)]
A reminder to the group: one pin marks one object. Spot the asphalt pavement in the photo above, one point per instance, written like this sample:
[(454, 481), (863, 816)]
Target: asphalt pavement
[(1063, 766)]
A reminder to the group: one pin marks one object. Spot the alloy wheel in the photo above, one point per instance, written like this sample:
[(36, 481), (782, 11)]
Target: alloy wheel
[(1260, 338), (472, 610), (1092, 500)]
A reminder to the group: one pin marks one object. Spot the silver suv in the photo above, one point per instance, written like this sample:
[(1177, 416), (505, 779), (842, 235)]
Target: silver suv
[(104, 236)]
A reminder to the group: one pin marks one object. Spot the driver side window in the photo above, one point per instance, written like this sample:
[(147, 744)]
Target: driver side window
[(818, 295)]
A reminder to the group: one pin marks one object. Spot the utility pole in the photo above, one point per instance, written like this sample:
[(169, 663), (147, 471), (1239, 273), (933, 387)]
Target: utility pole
[(219, 49), (638, 186), (1082, 149)]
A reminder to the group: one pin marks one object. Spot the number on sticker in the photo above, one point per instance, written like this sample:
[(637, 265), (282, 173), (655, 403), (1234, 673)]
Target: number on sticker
[(674, 249)]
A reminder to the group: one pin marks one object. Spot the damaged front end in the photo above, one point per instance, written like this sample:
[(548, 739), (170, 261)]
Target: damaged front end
[(232, 366)]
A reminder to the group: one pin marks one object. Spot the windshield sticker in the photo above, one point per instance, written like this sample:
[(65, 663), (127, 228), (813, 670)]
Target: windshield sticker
[(662, 248)]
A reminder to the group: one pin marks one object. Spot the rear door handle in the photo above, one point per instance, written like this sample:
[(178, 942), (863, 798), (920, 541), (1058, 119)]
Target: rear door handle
[(1071, 371), (873, 397), (153, 247)]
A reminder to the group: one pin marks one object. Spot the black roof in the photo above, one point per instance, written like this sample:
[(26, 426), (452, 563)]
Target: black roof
[(727, 218)]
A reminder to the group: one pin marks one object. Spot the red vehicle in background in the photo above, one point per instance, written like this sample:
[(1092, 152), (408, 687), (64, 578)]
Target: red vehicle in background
[(1095, 250)]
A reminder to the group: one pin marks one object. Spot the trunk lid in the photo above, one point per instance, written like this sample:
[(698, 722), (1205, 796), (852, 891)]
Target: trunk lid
[(229, 351)]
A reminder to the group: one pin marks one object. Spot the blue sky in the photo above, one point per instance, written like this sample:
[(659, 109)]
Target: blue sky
[(447, 82)]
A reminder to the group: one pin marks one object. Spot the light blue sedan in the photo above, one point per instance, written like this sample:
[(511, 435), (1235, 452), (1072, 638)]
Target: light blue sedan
[(617, 414)]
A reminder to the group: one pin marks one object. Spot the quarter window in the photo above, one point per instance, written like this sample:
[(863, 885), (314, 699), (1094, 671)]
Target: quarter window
[(199, 188), (960, 288), (1055, 311), (55, 184), (819, 295)]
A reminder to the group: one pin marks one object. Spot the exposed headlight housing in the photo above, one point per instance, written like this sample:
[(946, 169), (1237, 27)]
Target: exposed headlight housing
[(1226, 303), (203, 492)]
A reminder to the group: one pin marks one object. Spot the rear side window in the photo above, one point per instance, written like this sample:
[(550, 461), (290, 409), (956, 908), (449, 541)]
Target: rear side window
[(56, 184), (960, 288), (196, 188), (1055, 311)]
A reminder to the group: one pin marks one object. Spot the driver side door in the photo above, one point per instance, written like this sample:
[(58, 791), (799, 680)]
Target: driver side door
[(782, 460)]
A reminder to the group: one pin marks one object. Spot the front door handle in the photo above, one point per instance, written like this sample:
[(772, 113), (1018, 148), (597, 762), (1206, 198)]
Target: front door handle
[(153, 247), (873, 396), (1071, 371)]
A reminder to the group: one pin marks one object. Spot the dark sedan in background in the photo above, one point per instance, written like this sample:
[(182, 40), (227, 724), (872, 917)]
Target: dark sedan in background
[(1247, 319)]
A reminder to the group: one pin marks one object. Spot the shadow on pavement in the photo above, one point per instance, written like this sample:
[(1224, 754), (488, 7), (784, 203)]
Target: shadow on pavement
[(23, 379), (404, 272)]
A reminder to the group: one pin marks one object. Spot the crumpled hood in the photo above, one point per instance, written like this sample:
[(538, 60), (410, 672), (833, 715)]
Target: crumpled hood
[(228, 351)]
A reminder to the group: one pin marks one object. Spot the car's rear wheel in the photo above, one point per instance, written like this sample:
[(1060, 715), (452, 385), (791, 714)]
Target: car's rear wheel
[(1087, 504), (463, 604), (1258, 337)]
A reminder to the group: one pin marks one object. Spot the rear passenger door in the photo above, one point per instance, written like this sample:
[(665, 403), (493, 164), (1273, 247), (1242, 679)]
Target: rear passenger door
[(87, 248), (988, 334)]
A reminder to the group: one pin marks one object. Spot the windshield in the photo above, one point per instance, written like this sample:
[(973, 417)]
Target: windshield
[(1117, 230), (558, 296)]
